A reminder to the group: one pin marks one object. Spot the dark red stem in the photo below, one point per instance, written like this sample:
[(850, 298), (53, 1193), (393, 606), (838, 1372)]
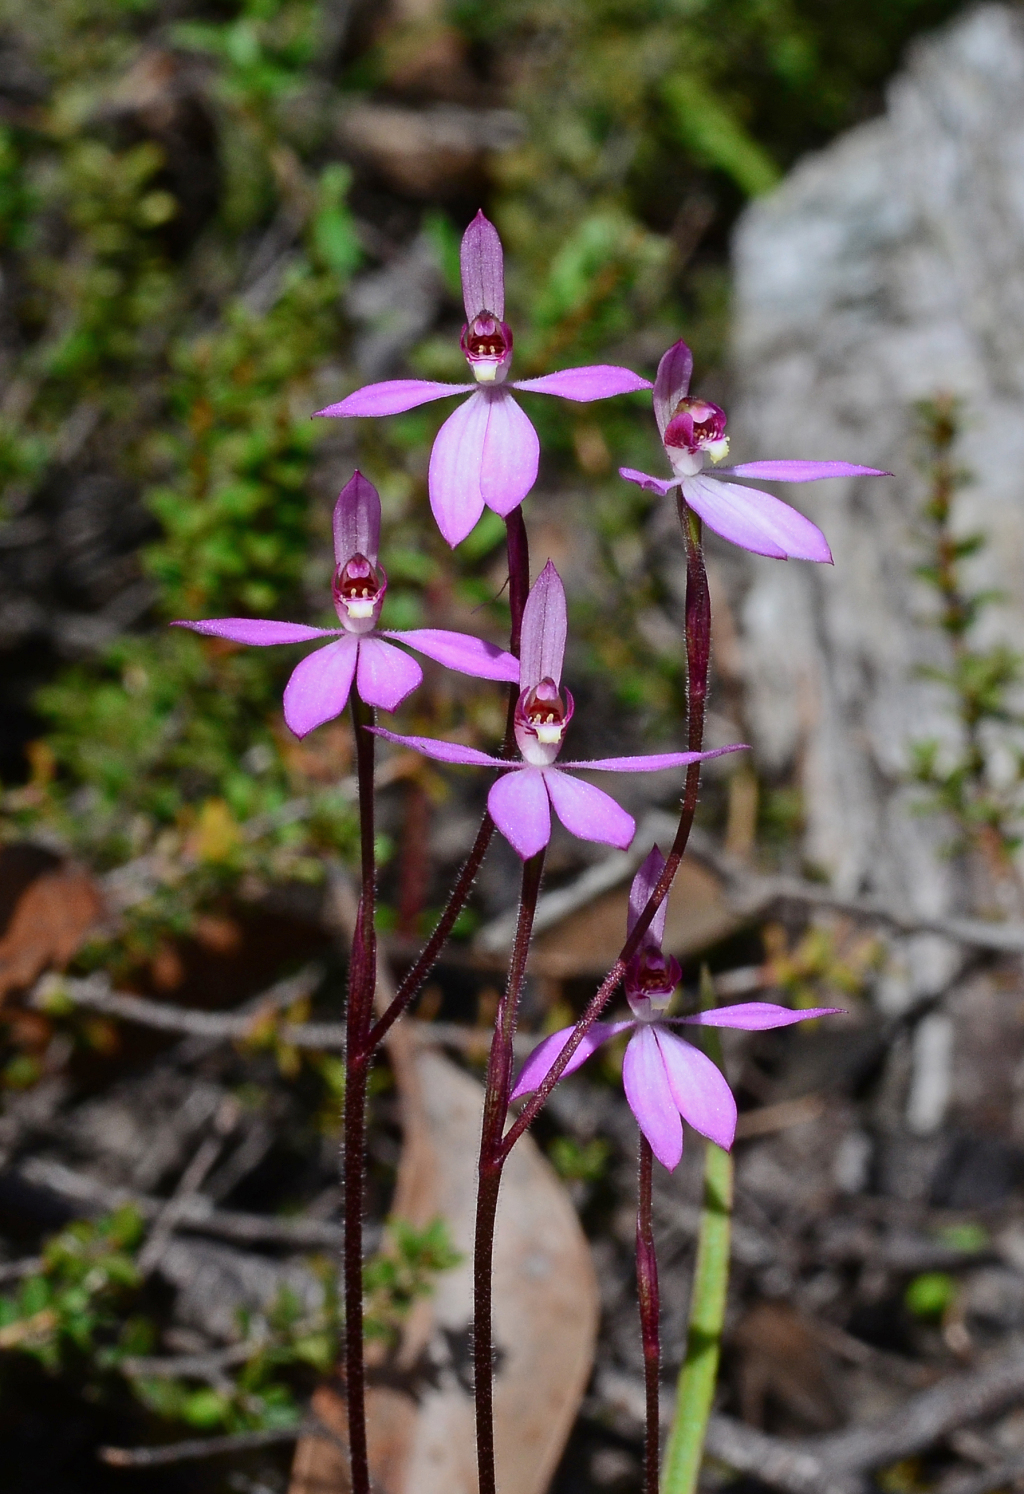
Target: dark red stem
[(362, 982), (492, 1160), (698, 652), (519, 590), (647, 1297)]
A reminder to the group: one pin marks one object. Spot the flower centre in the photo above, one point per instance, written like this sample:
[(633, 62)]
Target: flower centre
[(541, 718), (697, 426), (487, 344), (358, 590), (651, 978)]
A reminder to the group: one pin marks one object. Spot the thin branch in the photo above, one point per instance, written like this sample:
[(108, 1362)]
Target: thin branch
[(197, 1217), (210, 1447), (838, 1463)]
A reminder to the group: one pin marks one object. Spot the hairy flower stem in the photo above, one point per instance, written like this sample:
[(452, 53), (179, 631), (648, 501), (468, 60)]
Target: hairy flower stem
[(647, 1297), (519, 589), (698, 654), (358, 1057), (492, 1160)]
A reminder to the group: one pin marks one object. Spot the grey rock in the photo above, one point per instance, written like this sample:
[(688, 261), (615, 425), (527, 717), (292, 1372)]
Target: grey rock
[(886, 269)]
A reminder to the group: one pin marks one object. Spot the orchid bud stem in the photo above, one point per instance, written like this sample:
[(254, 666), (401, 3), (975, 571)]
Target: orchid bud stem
[(492, 1160), (698, 653), (519, 589), (358, 1057), (647, 1297)]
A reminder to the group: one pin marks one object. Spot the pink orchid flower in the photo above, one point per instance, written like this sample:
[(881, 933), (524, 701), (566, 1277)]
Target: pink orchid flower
[(692, 432), (487, 451), (319, 686), (667, 1080), (520, 802)]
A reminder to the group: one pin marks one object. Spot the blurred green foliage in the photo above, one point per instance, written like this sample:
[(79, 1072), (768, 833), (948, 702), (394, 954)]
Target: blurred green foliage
[(177, 235), (82, 1303), (978, 783)]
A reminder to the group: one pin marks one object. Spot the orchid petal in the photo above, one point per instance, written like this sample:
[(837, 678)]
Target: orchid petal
[(386, 675), (319, 687), (596, 381), (672, 382), (644, 884), (454, 474), (261, 631), (655, 761), (357, 521), (540, 1062), (587, 811), (660, 485), (757, 1016), (442, 752), (699, 1089), (799, 471), (518, 805), (461, 651), (755, 520), (511, 453), (543, 631), (645, 1081), (483, 271), (392, 397)]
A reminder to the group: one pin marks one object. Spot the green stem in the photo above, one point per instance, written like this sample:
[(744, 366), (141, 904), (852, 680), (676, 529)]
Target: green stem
[(696, 1388)]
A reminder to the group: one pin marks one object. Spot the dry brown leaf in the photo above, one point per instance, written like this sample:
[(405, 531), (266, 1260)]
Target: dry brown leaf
[(420, 1406), (587, 941), (50, 920)]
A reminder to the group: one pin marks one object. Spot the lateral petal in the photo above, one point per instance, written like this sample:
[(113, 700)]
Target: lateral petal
[(461, 651), (647, 1091), (319, 686), (796, 471), (261, 631), (757, 1016), (699, 1089), (660, 485), (518, 804), (653, 762), (386, 675), (456, 462), (587, 811), (441, 751), (595, 381), (392, 397), (511, 453), (536, 1068), (755, 520)]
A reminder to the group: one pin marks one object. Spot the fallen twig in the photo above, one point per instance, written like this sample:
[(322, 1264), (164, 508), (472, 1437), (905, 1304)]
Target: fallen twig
[(198, 1216), (838, 1463), (210, 1447)]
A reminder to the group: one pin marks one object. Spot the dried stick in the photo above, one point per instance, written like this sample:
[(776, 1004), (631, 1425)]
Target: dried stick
[(195, 1216), (209, 1447)]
